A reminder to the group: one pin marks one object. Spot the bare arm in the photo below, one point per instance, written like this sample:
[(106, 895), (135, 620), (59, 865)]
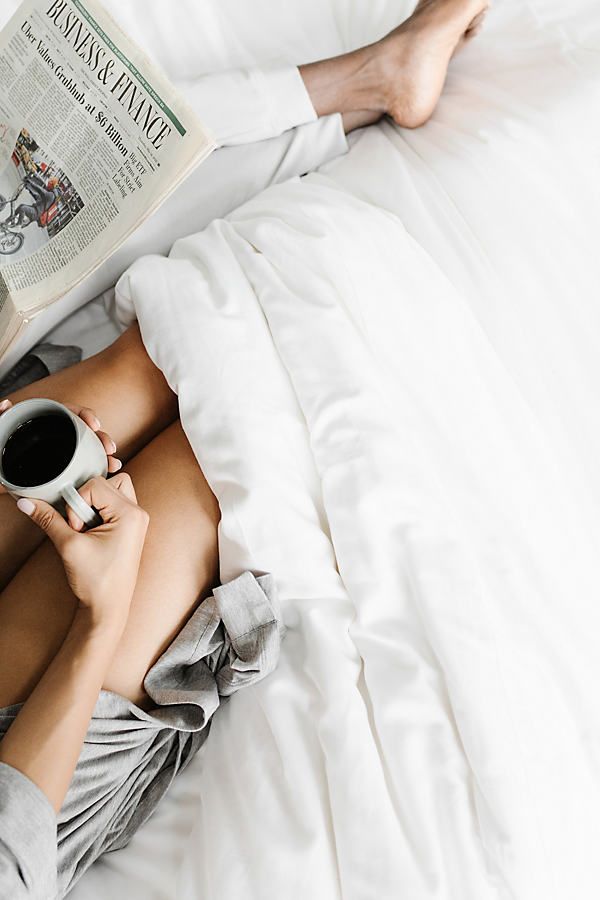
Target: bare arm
[(45, 740)]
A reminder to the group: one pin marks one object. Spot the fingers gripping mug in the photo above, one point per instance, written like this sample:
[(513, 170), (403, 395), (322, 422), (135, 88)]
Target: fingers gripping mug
[(46, 453)]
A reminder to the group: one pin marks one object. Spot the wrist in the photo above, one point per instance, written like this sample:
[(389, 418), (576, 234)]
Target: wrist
[(101, 625)]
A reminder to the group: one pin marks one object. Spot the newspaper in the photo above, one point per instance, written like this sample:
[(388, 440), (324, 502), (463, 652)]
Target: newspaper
[(93, 138)]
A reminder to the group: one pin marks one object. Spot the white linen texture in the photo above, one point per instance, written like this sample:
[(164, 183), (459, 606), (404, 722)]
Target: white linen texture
[(388, 372)]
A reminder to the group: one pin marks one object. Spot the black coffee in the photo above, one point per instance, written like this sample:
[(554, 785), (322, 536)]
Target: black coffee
[(39, 450)]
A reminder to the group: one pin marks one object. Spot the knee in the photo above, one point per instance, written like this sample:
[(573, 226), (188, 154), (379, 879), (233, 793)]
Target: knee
[(128, 351)]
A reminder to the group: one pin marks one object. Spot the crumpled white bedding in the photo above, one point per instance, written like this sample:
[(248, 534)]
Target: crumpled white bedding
[(387, 372)]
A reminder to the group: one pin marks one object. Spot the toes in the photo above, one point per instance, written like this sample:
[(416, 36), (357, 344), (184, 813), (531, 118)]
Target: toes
[(473, 30), (476, 25)]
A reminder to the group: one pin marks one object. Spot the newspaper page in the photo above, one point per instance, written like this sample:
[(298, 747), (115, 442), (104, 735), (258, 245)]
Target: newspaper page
[(92, 139)]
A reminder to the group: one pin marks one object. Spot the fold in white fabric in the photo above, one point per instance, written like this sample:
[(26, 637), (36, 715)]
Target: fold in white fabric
[(388, 373), (241, 106), (265, 122), (131, 755)]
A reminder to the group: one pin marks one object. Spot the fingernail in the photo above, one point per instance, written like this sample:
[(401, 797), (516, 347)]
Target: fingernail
[(114, 447), (119, 465), (4, 405), (97, 422), (26, 506)]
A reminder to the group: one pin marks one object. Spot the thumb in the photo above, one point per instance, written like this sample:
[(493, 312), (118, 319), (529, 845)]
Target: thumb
[(47, 518)]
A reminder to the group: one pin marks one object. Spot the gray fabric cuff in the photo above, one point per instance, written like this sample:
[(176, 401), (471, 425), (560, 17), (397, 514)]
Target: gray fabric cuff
[(231, 641), (56, 358), (43, 360), (27, 835)]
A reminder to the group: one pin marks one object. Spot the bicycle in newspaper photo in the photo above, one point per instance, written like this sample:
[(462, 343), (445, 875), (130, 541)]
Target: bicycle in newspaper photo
[(10, 241), (34, 189), (46, 198)]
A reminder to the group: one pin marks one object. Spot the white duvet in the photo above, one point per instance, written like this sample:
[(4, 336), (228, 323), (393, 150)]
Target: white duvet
[(389, 374)]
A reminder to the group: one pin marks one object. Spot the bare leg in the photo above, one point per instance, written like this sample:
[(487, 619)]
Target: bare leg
[(179, 567), (133, 402), (124, 387), (403, 74)]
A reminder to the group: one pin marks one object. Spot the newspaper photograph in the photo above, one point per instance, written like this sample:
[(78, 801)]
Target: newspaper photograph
[(35, 191), (93, 138)]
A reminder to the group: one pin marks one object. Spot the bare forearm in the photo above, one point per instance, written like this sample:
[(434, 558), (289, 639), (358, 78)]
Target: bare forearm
[(45, 740), (102, 564)]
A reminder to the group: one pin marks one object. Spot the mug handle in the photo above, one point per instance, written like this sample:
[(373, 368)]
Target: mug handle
[(73, 499)]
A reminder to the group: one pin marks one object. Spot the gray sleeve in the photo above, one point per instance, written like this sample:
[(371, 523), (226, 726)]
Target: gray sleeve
[(27, 839), (252, 632)]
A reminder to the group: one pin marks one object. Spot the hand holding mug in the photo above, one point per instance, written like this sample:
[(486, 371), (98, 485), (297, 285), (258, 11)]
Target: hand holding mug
[(48, 450), (101, 564)]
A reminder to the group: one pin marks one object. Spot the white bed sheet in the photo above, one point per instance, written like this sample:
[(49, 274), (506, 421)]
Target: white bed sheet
[(516, 123), (410, 383)]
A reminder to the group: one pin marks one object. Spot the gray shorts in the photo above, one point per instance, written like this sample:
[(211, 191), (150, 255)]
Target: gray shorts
[(131, 756)]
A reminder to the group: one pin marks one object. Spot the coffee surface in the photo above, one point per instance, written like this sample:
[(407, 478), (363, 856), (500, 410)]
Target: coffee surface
[(39, 450)]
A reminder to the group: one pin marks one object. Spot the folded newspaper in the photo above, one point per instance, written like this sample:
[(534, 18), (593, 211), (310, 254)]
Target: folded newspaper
[(93, 138)]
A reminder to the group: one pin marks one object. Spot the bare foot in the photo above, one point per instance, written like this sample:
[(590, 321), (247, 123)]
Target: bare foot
[(413, 59), (403, 74)]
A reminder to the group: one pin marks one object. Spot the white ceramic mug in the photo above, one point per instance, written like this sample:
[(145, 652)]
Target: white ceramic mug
[(88, 460)]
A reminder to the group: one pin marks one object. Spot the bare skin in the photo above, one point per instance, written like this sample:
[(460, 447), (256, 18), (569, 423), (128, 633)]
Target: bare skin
[(179, 567), (403, 74), (146, 407), (179, 563), (102, 565)]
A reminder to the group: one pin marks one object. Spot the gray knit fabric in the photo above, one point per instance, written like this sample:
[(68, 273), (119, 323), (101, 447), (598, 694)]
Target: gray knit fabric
[(131, 756), (43, 360)]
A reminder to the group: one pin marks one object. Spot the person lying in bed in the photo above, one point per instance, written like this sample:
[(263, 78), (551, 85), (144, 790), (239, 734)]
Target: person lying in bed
[(115, 643)]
